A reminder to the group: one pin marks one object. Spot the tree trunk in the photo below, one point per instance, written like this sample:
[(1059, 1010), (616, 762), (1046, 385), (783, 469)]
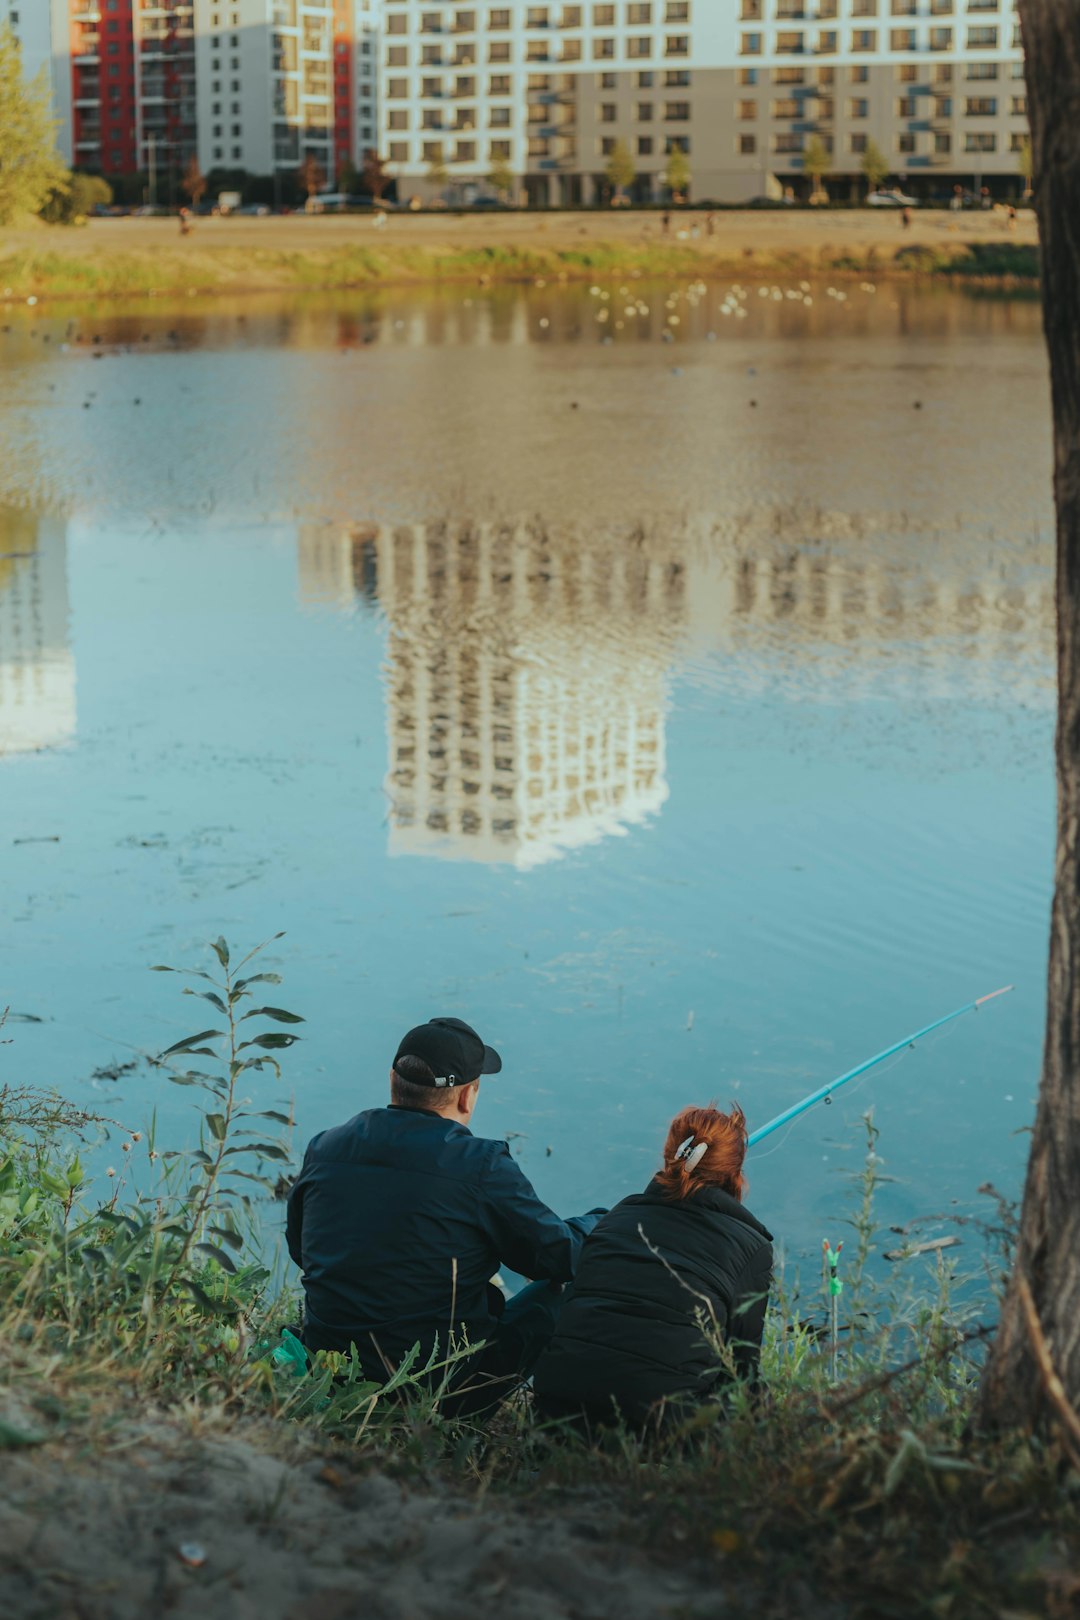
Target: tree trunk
[(1017, 1386)]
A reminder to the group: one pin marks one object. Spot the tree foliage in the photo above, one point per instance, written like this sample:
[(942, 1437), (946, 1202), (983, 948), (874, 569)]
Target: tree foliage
[(30, 166), (194, 182), (76, 196), (501, 179), (874, 165), (620, 168), (311, 176), (373, 176), (816, 162), (677, 173)]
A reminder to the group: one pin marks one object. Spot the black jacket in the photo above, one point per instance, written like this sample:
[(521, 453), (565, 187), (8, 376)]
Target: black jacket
[(630, 1331), (383, 1208)]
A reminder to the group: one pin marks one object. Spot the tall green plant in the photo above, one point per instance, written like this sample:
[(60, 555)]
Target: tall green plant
[(30, 165)]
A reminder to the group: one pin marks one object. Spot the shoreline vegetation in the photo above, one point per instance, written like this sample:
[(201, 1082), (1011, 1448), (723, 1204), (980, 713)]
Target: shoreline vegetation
[(120, 259), (164, 1450)]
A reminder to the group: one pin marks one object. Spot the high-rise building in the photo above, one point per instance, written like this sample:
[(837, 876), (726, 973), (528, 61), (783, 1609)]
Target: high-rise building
[(37, 668), (553, 91), (526, 682), (356, 68)]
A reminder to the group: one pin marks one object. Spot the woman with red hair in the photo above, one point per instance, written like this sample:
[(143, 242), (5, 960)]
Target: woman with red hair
[(669, 1298)]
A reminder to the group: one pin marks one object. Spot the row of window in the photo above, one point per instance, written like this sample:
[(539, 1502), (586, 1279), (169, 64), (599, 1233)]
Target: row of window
[(638, 48), (397, 119), (904, 73), (942, 144), (905, 107), (501, 84), (501, 151), (499, 19), (787, 10), (794, 42)]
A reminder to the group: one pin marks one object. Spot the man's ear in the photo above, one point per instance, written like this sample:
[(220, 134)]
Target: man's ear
[(465, 1097)]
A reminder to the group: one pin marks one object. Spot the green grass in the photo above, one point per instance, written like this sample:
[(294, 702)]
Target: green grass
[(865, 1483), (42, 274)]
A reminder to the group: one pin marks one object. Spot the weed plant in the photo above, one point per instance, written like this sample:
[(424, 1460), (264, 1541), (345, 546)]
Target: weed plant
[(852, 1468)]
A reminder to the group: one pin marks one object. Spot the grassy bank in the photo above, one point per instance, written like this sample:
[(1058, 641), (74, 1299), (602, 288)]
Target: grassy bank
[(143, 1348), (208, 268)]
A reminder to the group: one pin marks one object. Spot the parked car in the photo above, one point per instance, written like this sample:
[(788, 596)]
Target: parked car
[(488, 202), (891, 199), (253, 210), (770, 202)]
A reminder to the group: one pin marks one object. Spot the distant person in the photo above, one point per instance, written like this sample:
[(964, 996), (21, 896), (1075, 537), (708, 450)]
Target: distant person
[(379, 220), (905, 218), (665, 222), (670, 1295), (956, 202), (186, 225), (710, 224), (985, 200), (1011, 217), (400, 1218)]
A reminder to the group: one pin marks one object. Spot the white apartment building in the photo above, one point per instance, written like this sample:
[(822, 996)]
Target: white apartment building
[(37, 666), (552, 90), (264, 88)]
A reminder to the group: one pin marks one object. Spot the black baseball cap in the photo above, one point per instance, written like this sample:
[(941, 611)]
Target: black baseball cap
[(452, 1050)]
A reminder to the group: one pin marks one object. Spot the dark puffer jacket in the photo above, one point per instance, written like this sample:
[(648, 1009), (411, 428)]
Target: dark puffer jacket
[(630, 1332)]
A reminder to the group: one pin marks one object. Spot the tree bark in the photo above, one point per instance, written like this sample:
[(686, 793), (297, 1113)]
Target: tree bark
[(1015, 1382)]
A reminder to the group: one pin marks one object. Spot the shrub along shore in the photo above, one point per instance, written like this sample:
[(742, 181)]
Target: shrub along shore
[(166, 1451), (294, 255)]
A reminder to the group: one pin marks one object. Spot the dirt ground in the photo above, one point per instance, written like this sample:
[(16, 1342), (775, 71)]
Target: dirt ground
[(735, 231), (169, 1518)]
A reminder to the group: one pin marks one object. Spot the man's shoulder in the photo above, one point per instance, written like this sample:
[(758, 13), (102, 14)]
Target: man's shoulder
[(419, 1139)]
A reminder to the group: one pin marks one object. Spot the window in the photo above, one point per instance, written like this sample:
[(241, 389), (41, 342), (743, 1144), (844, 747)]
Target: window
[(499, 149), (746, 110), (858, 75), (603, 50), (941, 8), (677, 143), (499, 17), (857, 143), (789, 75), (904, 8), (639, 45), (828, 42), (864, 39), (399, 151), (748, 76), (397, 118), (464, 85), (677, 45), (747, 145), (571, 16), (905, 107), (432, 151), (430, 118), (645, 81), (603, 16), (902, 39), (571, 50), (942, 142), (608, 111), (943, 106), (678, 78), (431, 55), (499, 117), (397, 89), (826, 110), (639, 11), (645, 112), (750, 45), (1018, 107), (789, 44), (607, 145), (982, 70), (943, 73), (499, 84), (751, 11), (397, 56), (905, 142), (864, 8), (1018, 140), (677, 11), (859, 108), (397, 22), (788, 108), (982, 39), (941, 39), (465, 152), (676, 112), (980, 142), (787, 143), (499, 50), (645, 145), (981, 107)]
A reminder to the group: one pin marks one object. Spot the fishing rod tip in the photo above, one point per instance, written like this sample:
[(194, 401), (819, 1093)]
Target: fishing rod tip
[(1002, 992)]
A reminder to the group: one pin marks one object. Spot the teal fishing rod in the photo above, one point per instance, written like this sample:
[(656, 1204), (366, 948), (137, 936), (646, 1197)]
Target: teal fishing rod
[(824, 1093)]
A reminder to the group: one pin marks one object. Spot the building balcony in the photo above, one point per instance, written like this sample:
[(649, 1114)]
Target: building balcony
[(86, 59), (87, 101)]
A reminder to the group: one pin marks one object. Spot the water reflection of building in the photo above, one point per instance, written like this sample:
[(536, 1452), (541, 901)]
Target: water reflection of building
[(526, 683), (37, 669)]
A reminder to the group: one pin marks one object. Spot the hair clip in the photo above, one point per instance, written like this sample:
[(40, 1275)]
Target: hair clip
[(692, 1155)]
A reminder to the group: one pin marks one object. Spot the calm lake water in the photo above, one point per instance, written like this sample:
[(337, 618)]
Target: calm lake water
[(661, 679)]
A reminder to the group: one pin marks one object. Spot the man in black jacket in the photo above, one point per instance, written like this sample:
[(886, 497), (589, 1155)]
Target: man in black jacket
[(400, 1218)]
